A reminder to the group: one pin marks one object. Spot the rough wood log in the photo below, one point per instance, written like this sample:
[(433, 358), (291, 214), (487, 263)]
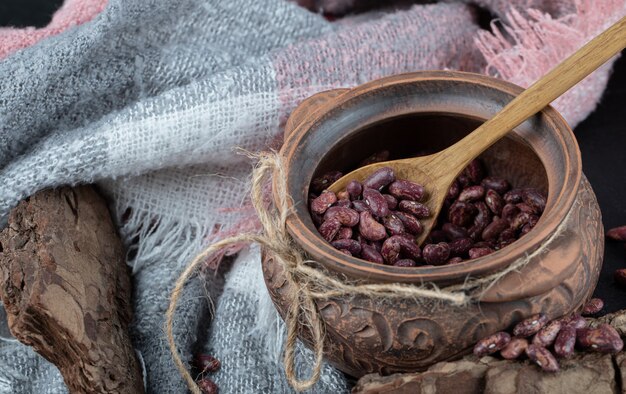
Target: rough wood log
[(66, 289)]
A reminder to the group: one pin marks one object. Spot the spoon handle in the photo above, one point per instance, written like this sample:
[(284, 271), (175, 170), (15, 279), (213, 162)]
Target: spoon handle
[(556, 82)]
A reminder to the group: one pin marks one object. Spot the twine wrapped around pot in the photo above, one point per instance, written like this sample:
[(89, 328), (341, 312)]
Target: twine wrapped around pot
[(311, 283)]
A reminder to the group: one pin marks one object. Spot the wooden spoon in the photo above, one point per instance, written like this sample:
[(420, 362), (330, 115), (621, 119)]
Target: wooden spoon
[(438, 171)]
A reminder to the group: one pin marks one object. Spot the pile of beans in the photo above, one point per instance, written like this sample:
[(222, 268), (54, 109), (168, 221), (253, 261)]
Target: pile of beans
[(618, 234), (205, 364), (378, 220), (535, 336)]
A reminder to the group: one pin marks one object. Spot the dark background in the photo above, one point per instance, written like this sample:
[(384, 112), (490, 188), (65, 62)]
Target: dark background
[(602, 139)]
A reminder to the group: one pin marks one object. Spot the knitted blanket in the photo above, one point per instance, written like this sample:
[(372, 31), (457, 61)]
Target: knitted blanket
[(151, 100)]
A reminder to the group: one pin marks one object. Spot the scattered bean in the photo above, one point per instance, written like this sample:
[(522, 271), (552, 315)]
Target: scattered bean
[(370, 228), (619, 276), (542, 357), (604, 339), (514, 349), (592, 307), (346, 216), (565, 341), (323, 202), (207, 386), (414, 208), (492, 344), (206, 363), (546, 336), (406, 190), (530, 326), (380, 178), (617, 234)]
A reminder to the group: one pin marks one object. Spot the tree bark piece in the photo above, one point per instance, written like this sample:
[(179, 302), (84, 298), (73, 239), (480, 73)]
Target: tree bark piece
[(66, 289)]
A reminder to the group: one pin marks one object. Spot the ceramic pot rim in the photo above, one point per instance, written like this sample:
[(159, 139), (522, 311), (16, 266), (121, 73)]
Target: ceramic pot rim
[(559, 201)]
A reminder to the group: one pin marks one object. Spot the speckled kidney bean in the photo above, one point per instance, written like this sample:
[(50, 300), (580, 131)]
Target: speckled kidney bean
[(346, 216), (575, 320), (475, 253), (436, 254), (520, 220), (472, 193), (410, 222), (343, 203), (617, 234), (534, 199), (546, 336), (525, 208), (344, 233), (461, 213), (392, 202), (329, 229), (377, 157), (507, 235), (453, 231), (530, 326), (370, 253), (378, 245), (542, 357), (406, 190), (454, 191), (492, 344), (380, 178), (460, 246), (494, 202), (405, 263), (619, 276), (494, 229), (513, 196), (475, 171), (592, 307), (360, 206), (410, 249), (515, 348), (604, 339), (321, 183), (354, 189), (414, 208), (393, 224), (350, 245), (323, 202), (377, 203), (565, 341), (391, 249), (509, 211), (500, 185), (370, 228)]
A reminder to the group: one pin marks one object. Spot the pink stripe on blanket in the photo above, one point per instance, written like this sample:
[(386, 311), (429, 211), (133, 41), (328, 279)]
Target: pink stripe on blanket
[(72, 13)]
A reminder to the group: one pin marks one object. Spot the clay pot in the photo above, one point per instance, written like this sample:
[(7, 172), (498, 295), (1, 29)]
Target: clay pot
[(427, 111)]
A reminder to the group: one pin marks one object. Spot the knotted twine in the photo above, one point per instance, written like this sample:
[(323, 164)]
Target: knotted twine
[(310, 283)]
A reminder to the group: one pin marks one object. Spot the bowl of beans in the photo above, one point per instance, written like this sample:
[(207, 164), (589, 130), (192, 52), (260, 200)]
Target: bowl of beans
[(523, 198)]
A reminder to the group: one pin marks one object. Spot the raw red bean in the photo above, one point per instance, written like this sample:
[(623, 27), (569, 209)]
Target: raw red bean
[(392, 203), (619, 276), (513, 196), (546, 336), (378, 245), (380, 178), (507, 235), (329, 229), (323, 202), (455, 260), (370, 253), (406, 190), (354, 189), (375, 158), (525, 208), (346, 216), (604, 339), (343, 195), (509, 211), (414, 208), (405, 263), (534, 199), (411, 224), (321, 183), (350, 245), (494, 229), (436, 254), (391, 249), (206, 363), (472, 193), (494, 202), (530, 326), (520, 220), (514, 349), (497, 184), (344, 233), (492, 343), (475, 171), (454, 191), (377, 203), (460, 246), (592, 307), (370, 228), (617, 234), (525, 230), (542, 357), (461, 213), (575, 320), (410, 249), (453, 231), (565, 341), (475, 253), (393, 224), (360, 206), (343, 203), (483, 216), (207, 386)]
